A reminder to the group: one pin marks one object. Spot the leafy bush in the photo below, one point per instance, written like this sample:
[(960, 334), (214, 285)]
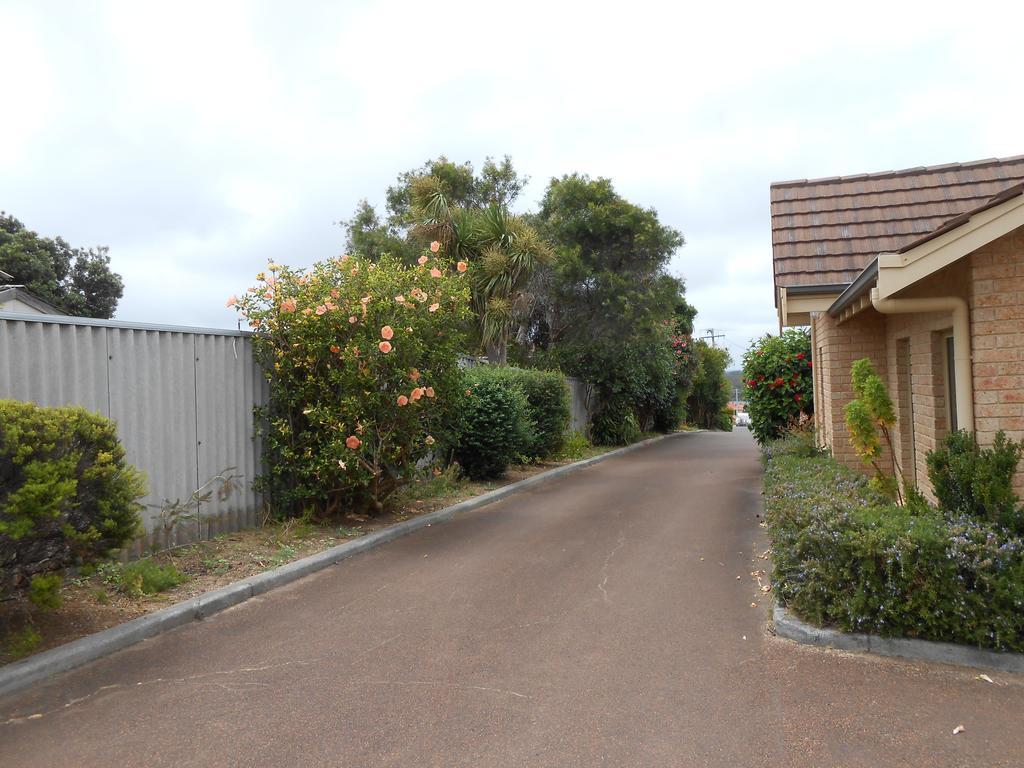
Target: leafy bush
[(870, 417), (615, 424), (141, 577), (362, 363), (779, 387), (67, 497), (495, 424), (844, 555), (978, 482), (547, 401)]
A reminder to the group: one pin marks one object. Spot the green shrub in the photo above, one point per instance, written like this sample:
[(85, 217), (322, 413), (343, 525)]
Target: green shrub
[(67, 497), (141, 577), (362, 361), (615, 424), (44, 591), (547, 400), (844, 555), (779, 387), (494, 425), (976, 481)]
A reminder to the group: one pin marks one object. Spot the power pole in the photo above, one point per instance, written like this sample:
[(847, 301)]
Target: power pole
[(712, 335)]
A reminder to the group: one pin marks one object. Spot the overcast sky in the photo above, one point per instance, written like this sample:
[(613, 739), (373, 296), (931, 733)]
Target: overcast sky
[(197, 140)]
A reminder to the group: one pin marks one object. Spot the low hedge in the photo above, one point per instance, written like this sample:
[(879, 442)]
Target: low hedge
[(547, 403), (494, 423), (846, 556), (67, 496)]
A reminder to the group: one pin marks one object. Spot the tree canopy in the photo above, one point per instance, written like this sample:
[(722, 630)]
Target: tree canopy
[(77, 281), (367, 233)]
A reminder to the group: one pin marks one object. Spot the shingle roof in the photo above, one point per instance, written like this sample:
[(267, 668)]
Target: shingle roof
[(825, 231)]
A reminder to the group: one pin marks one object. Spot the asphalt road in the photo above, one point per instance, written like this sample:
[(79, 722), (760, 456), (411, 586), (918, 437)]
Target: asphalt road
[(595, 621)]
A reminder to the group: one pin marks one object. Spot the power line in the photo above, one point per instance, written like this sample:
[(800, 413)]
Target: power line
[(712, 336)]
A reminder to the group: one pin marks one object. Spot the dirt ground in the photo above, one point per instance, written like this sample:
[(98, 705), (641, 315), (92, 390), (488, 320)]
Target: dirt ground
[(90, 604)]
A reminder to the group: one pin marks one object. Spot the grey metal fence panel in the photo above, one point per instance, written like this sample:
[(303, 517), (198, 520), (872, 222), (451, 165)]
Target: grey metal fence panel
[(54, 364), (182, 399), (579, 405), (226, 391)]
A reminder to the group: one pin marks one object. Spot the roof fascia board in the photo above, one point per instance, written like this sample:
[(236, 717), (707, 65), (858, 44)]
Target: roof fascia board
[(795, 309), (897, 271)]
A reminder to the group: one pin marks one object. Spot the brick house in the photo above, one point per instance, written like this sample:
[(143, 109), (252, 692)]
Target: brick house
[(922, 270)]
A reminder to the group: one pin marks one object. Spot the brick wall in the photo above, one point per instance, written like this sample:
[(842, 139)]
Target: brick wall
[(838, 345), (992, 281), (997, 331)]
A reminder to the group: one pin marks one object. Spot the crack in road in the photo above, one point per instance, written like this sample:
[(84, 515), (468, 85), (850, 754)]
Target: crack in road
[(200, 677), (604, 569)]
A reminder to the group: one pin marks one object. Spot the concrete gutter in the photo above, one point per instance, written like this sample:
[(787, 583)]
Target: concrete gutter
[(22, 674), (789, 626)]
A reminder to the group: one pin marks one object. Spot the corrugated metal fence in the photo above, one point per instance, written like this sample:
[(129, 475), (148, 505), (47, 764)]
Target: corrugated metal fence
[(182, 399)]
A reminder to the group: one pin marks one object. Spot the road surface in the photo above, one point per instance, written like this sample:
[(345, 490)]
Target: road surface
[(594, 621)]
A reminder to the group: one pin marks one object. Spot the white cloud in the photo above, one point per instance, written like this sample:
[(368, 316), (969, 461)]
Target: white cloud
[(201, 139)]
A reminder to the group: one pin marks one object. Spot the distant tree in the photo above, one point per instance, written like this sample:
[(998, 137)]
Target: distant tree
[(367, 233), (607, 311), (710, 392), (77, 281)]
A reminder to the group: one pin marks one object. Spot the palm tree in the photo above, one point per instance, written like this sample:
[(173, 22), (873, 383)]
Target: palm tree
[(502, 249)]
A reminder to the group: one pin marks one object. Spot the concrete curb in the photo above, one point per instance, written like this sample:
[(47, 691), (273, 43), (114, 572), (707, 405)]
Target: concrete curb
[(21, 674), (789, 626)]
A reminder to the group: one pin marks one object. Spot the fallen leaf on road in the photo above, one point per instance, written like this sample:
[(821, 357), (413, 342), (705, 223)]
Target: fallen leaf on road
[(738, 578), (958, 729), (753, 605), (986, 678), (702, 559), (766, 588)]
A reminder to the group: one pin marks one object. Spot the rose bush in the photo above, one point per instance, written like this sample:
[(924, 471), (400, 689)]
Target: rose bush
[(362, 361), (777, 371)]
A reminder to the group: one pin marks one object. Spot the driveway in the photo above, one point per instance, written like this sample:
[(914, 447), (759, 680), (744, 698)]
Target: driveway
[(604, 619)]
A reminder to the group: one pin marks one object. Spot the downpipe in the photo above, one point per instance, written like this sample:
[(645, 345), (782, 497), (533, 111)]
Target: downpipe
[(962, 374)]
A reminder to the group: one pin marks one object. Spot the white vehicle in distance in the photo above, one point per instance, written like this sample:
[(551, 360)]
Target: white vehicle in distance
[(742, 419)]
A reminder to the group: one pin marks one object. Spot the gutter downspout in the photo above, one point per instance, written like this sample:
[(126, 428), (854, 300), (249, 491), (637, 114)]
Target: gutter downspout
[(962, 373)]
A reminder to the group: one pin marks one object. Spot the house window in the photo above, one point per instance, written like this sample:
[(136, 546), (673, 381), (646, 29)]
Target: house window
[(950, 383)]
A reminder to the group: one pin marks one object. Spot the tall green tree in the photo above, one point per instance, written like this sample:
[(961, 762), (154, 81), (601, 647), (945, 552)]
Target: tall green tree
[(608, 307), (78, 281)]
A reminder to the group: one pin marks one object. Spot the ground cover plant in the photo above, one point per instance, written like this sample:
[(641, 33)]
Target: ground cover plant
[(845, 555), (361, 357)]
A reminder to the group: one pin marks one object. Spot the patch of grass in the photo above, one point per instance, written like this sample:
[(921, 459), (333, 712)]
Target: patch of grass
[(141, 577), (19, 644)]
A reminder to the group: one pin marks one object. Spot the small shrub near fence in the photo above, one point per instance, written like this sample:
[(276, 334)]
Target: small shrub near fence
[(494, 428), (845, 555), (547, 403), (67, 497)]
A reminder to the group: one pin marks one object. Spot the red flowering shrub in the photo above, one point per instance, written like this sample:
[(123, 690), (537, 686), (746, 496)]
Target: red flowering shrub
[(779, 386), (362, 363)]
